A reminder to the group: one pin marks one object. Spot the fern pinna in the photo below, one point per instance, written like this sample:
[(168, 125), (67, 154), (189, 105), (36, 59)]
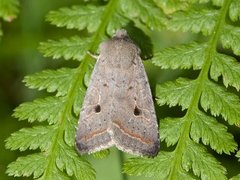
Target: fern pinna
[(8, 11), (204, 99)]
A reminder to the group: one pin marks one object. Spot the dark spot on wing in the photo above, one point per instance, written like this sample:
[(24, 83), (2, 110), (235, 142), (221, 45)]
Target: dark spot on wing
[(130, 87), (137, 111), (97, 108)]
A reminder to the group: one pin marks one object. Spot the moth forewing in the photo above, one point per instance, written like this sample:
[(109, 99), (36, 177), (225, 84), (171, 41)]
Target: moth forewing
[(118, 107)]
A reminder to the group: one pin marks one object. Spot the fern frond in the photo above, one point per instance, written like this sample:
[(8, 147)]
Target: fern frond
[(68, 48), (40, 110), (230, 38), (170, 6), (102, 154), (77, 17), (195, 20), (68, 160), (158, 167), (27, 166), (227, 67), (189, 55), (203, 164), (51, 80), (9, 9), (31, 138), (171, 130), (234, 11), (145, 11), (203, 99), (214, 2), (212, 133), (235, 177), (175, 93), (219, 101)]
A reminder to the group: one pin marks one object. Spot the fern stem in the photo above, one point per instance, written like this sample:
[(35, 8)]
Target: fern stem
[(78, 78), (210, 53), (107, 14), (202, 78), (121, 159)]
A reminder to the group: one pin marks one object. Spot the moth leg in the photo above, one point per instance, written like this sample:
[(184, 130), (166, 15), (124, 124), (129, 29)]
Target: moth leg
[(94, 56)]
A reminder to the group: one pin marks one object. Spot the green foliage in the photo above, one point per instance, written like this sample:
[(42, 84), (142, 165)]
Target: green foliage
[(53, 138), (206, 99), (32, 138), (205, 18), (26, 166), (68, 48), (234, 10), (189, 56), (40, 110), (51, 80), (8, 11), (175, 93), (77, 17), (158, 167), (227, 67)]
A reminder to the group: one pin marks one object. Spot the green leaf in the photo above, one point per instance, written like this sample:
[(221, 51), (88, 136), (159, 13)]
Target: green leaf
[(9, 9), (40, 110), (183, 57), (70, 130), (238, 154), (170, 129), (214, 2), (77, 17), (203, 164), (170, 6), (237, 177), (219, 101), (194, 20), (146, 11), (1, 32), (217, 2), (68, 48), (101, 154), (62, 161), (228, 67), (51, 80), (211, 133), (33, 164), (31, 138), (234, 10), (68, 160), (78, 100), (118, 22), (157, 167), (179, 92), (230, 38), (55, 173)]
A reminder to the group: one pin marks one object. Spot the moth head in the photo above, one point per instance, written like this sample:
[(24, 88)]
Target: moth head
[(121, 33)]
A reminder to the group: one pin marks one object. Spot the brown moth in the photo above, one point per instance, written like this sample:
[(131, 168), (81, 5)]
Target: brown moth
[(118, 107)]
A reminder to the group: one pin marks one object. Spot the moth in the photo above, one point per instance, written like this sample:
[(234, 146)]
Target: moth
[(118, 107)]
